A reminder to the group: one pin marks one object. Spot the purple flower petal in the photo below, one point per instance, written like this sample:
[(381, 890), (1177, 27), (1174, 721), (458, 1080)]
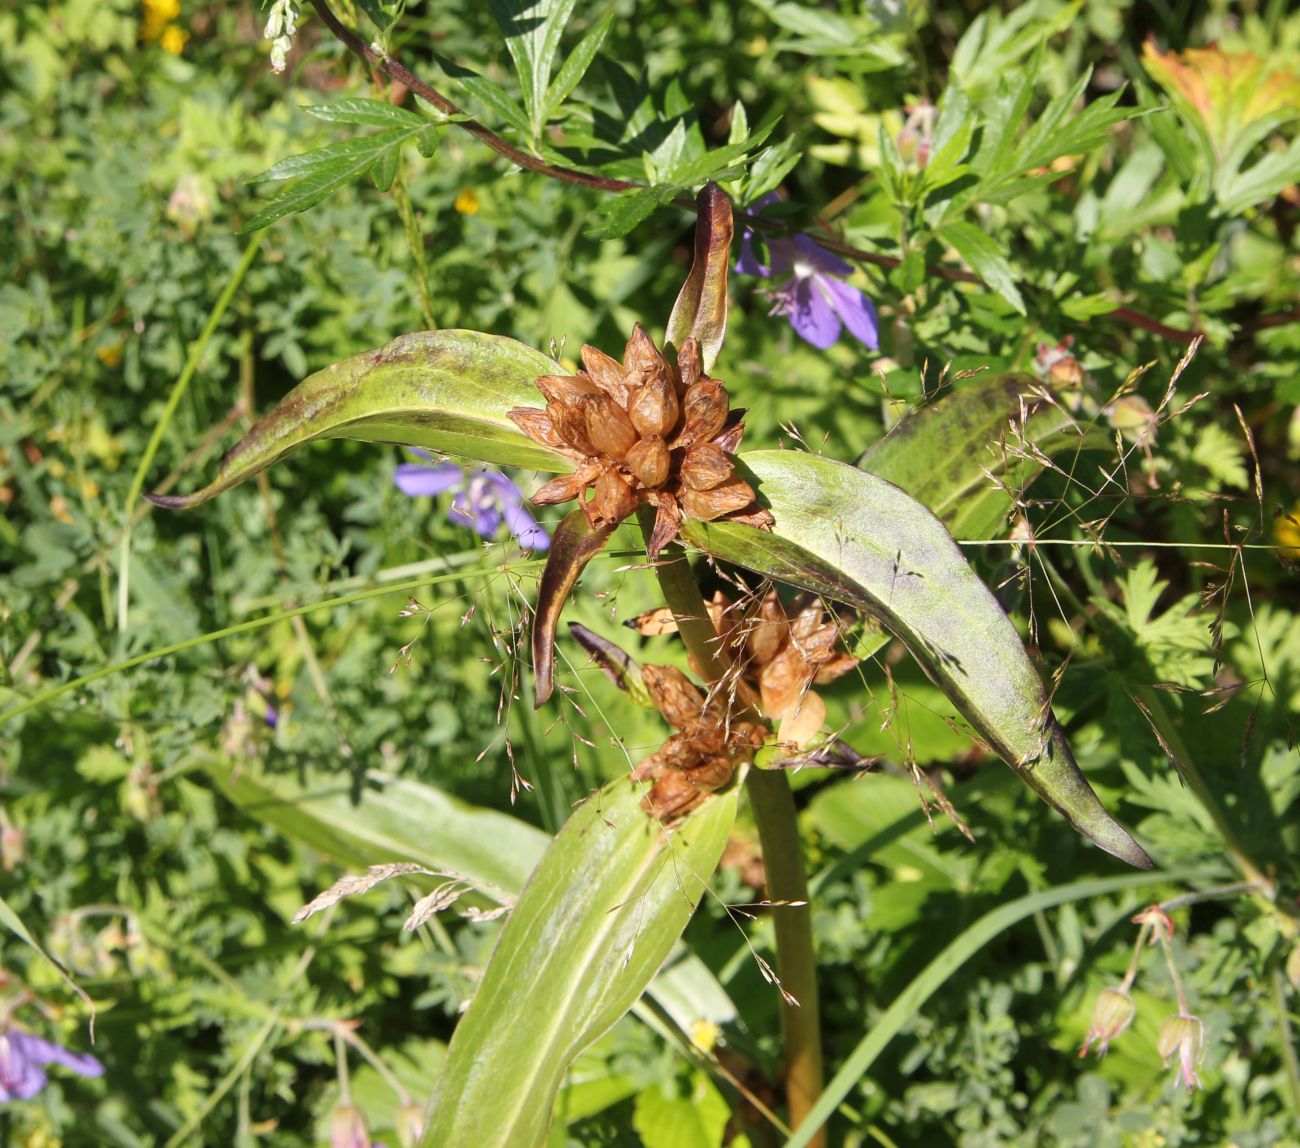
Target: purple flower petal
[(808, 252), (811, 315), (474, 509), (748, 263), (525, 528), (21, 1057), (856, 310), (417, 480)]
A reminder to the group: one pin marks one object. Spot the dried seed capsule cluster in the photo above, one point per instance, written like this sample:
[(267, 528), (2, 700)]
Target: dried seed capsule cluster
[(643, 431), (702, 755)]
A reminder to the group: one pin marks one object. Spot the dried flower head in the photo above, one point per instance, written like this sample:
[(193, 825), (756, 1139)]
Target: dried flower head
[(702, 756), (644, 431), (782, 651)]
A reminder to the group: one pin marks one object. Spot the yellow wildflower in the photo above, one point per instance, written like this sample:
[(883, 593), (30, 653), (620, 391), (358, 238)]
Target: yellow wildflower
[(173, 39), (1286, 533), (156, 17), (467, 201)]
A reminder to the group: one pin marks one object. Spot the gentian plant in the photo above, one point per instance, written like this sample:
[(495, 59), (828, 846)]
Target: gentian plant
[(653, 437)]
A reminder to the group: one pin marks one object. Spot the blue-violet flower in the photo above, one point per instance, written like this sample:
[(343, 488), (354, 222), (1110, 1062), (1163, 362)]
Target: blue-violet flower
[(22, 1061), (484, 498), (814, 297)]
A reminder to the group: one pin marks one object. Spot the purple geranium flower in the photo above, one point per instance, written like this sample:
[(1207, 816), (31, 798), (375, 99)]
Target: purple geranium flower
[(815, 298), (22, 1057), (484, 499)]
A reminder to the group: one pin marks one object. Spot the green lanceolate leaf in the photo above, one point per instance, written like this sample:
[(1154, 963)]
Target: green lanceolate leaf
[(574, 543), (597, 919), (379, 818), (447, 391), (701, 307), (974, 246), (962, 455), (855, 538)]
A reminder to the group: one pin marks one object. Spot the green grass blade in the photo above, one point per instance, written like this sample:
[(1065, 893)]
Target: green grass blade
[(909, 1002)]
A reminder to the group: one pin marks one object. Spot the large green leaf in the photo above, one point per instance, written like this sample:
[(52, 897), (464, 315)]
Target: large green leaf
[(961, 455), (376, 818), (598, 917), (448, 391), (856, 538)]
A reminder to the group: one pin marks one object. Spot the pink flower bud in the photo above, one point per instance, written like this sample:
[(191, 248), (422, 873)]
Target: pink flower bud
[(1112, 1014), (1182, 1036)]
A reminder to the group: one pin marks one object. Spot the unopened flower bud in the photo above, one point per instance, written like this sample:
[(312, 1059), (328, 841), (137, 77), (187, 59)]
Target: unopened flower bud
[(1133, 417), (409, 1125), (1182, 1036), (566, 388), (608, 427), (348, 1128), (1112, 1014)]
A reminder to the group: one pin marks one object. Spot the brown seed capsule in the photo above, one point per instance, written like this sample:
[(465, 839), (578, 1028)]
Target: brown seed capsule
[(674, 695), (704, 409), (705, 466), (767, 631), (570, 423), (536, 424), (605, 372), (668, 521), (709, 505), (611, 501), (689, 366), (759, 518), (561, 489), (728, 439), (653, 407), (649, 460), (641, 354), (608, 426), (783, 682), (566, 388)]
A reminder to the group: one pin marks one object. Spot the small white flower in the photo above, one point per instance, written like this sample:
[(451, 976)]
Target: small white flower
[(281, 26)]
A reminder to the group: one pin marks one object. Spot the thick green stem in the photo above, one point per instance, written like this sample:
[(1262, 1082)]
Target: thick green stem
[(783, 861)]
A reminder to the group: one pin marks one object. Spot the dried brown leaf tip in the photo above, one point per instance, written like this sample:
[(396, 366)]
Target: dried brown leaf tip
[(643, 432), (702, 756)]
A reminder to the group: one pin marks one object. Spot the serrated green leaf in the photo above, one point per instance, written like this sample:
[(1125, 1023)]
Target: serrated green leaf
[(496, 100), (353, 156), (597, 919), (446, 391), (532, 29), (1273, 174), (856, 538), (366, 113), (575, 67), (385, 167), (615, 217), (984, 258)]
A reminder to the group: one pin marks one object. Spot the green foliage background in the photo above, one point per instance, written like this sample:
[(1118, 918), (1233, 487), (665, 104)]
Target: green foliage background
[(125, 181)]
